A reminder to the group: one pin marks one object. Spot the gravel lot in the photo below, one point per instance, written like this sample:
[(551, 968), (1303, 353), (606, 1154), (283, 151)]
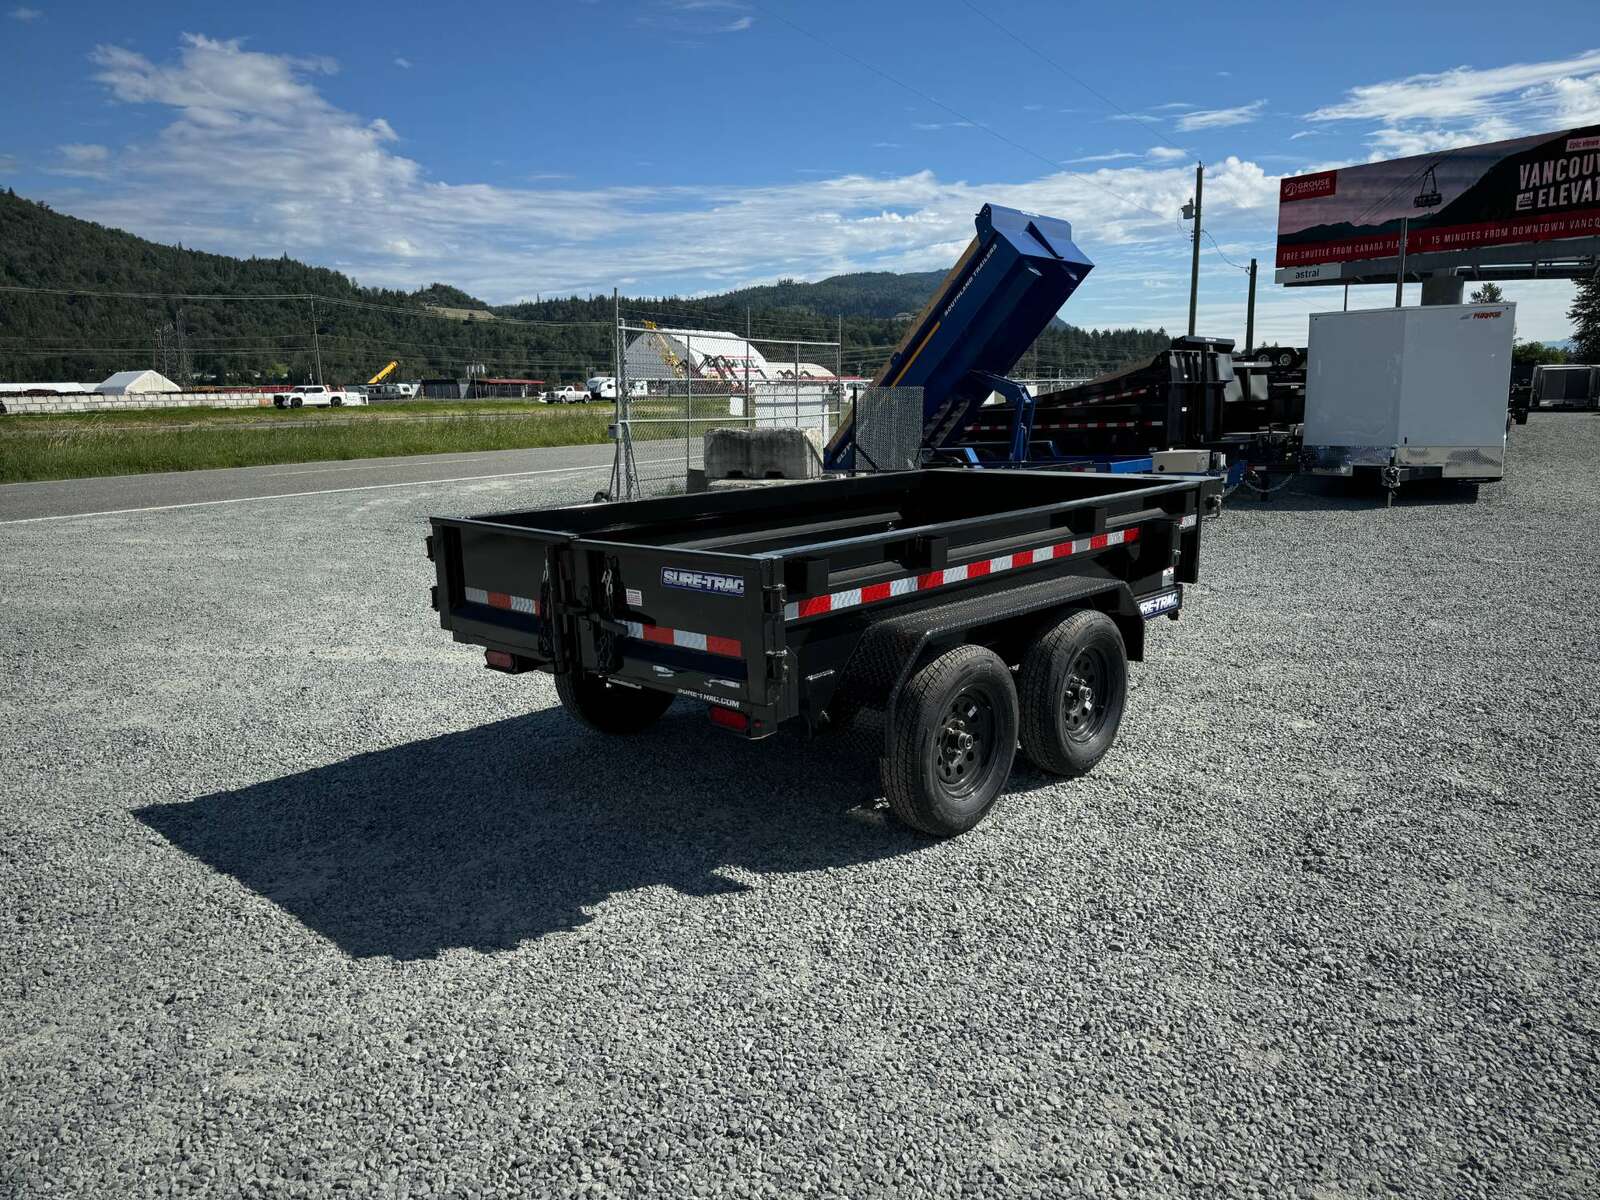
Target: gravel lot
[(298, 898)]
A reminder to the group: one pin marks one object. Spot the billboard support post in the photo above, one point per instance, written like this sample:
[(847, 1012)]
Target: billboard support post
[(1400, 275)]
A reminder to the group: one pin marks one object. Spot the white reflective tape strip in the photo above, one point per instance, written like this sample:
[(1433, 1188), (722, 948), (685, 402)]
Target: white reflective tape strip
[(954, 574), (1189, 521), (689, 641), (1003, 563), (523, 604), (634, 628), (791, 610), (847, 599), (902, 587), (476, 596)]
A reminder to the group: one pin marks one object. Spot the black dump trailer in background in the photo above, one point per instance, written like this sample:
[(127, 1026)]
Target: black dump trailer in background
[(975, 609)]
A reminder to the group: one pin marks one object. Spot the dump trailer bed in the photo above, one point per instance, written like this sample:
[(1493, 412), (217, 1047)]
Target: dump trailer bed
[(806, 602)]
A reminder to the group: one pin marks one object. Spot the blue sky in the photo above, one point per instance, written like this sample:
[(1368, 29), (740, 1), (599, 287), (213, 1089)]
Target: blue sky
[(684, 146)]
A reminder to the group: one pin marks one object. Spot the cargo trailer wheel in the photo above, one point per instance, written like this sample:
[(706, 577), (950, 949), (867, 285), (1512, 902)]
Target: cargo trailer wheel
[(1074, 686), (609, 709), (951, 742)]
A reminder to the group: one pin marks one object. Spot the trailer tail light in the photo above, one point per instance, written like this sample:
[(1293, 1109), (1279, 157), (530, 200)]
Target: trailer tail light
[(729, 719), (501, 660)]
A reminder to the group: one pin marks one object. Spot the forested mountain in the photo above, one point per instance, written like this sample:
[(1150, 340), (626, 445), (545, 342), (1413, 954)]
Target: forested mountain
[(250, 320)]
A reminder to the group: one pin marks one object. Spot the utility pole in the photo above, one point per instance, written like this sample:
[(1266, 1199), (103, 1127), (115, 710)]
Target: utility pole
[(1193, 210), (1250, 313), (316, 338), (1400, 274)]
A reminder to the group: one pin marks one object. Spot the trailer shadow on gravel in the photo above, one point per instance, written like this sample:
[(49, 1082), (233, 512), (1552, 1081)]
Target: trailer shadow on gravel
[(1313, 494), (489, 837)]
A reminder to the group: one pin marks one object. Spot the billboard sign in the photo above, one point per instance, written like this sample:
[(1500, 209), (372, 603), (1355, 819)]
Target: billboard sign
[(1527, 189)]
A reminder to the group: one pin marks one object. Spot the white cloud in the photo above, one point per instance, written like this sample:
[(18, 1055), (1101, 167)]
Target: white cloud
[(739, 25), (403, 63), (1221, 118), (1573, 101), (1453, 95), (21, 13), (84, 159), (1465, 106), (81, 153), (1166, 153), (1401, 142), (1113, 156), (1305, 133), (930, 126), (251, 159)]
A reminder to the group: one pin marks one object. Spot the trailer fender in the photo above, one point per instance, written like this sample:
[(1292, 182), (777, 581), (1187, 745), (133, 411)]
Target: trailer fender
[(891, 649)]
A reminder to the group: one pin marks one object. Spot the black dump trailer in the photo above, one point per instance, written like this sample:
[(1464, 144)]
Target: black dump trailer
[(975, 609)]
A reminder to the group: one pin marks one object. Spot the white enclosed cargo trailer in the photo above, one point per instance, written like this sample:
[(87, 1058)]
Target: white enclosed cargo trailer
[(1410, 393)]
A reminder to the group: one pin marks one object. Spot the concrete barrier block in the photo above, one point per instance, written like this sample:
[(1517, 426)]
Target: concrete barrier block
[(762, 454)]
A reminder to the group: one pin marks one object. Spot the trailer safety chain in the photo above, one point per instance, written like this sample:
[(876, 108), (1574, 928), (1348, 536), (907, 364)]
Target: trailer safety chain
[(546, 645), (1246, 481), (606, 641)]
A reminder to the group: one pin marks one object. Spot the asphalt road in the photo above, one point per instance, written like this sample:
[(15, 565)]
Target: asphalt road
[(178, 489), (296, 899)]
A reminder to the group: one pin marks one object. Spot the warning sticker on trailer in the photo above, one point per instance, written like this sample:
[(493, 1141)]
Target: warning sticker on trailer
[(702, 581), (1154, 606)]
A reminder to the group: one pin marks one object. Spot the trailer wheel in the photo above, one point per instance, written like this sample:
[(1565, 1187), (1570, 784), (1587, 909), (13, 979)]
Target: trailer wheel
[(951, 742), (1074, 686), (608, 709)]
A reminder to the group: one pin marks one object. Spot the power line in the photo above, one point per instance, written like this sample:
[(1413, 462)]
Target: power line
[(1045, 58), (1221, 255), (490, 319), (955, 112)]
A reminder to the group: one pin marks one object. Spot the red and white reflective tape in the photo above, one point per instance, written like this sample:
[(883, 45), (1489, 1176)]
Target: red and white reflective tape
[(708, 643), (1189, 521), (505, 600), (816, 606)]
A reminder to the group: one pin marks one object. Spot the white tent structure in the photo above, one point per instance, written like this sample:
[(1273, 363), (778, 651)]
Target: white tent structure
[(136, 383), (708, 362)]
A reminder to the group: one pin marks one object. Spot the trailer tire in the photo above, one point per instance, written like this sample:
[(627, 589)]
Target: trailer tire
[(951, 741), (1074, 687), (607, 709)]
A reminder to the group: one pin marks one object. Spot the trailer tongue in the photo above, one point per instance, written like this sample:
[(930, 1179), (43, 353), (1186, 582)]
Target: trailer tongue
[(975, 609)]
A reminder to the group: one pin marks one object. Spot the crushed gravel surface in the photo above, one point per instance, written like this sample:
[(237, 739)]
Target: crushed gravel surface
[(298, 899)]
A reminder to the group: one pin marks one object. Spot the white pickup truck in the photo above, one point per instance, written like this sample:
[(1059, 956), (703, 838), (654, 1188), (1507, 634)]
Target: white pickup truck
[(315, 395), (568, 394)]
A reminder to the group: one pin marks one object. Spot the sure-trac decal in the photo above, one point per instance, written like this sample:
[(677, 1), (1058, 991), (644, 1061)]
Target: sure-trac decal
[(702, 581)]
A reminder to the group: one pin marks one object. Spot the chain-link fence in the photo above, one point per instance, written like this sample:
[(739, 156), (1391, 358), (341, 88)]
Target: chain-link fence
[(676, 384)]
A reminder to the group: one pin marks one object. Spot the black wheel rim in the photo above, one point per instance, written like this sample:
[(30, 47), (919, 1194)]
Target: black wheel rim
[(1084, 700), (965, 744)]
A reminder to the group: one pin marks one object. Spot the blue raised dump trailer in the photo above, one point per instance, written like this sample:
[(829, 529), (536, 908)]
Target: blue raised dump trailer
[(979, 611), (1015, 275)]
